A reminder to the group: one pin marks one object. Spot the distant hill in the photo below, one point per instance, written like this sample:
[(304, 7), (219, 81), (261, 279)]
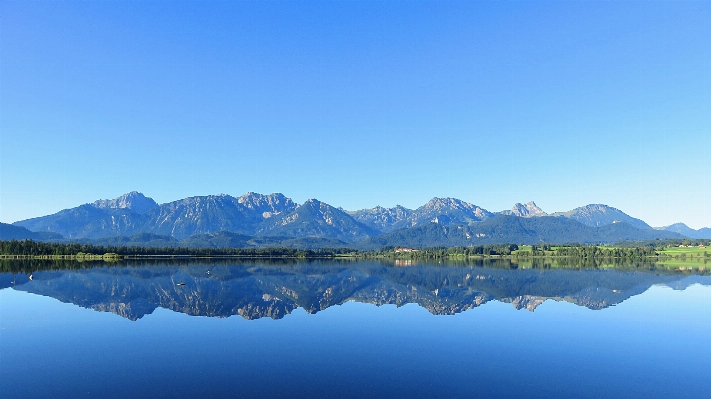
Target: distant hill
[(9, 232), (685, 230), (597, 215)]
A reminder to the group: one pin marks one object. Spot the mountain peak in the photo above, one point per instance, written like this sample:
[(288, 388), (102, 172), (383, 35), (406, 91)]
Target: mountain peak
[(528, 210), (445, 211), (135, 201), (270, 205)]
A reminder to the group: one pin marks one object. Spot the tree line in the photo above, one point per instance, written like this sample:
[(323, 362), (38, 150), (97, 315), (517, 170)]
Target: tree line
[(603, 252), (36, 248), (46, 249)]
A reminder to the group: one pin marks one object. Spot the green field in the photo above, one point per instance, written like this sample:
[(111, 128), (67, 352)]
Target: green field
[(522, 248), (694, 251)]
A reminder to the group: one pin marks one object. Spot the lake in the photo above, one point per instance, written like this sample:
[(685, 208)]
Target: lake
[(352, 329)]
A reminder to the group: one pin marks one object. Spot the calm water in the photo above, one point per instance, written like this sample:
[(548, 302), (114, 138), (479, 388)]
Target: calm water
[(355, 329)]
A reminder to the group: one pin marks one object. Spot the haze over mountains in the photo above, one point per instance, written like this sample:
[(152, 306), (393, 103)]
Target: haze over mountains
[(271, 220)]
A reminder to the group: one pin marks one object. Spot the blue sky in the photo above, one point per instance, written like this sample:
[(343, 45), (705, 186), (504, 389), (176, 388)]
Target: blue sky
[(359, 103)]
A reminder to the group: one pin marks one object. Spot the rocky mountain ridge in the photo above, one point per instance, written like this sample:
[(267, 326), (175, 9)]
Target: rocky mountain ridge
[(317, 219), (527, 210), (381, 218), (275, 215), (134, 201)]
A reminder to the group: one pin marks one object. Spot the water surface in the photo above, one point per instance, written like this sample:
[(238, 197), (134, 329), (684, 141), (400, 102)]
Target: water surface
[(353, 329)]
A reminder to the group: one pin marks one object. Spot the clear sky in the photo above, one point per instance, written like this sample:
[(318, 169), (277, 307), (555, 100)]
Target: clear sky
[(359, 103)]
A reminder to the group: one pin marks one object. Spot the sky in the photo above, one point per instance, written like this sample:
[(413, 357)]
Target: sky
[(359, 103)]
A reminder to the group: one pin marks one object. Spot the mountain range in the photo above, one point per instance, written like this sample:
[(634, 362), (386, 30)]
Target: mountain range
[(254, 220)]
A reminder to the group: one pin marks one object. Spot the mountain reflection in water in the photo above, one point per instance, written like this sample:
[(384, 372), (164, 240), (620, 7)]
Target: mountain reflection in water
[(254, 290)]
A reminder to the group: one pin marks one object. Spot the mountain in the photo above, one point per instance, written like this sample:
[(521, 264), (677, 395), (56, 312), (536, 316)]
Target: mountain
[(446, 211), (134, 213), (69, 222), (260, 206), (213, 213), (381, 218), (525, 210), (512, 229), (9, 232), (133, 201), (124, 215), (198, 215), (597, 215), (317, 219), (256, 220), (687, 231)]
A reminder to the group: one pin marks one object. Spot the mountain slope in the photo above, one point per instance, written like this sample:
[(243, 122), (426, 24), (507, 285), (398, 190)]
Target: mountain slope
[(526, 210), (511, 229), (220, 239), (260, 206), (124, 215), (317, 219), (133, 201), (197, 215), (272, 219), (134, 213), (68, 222), (136, 240), (9, 232), (381, 218), (687, 231), (213, 213), (597, 215), (444, 211)]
